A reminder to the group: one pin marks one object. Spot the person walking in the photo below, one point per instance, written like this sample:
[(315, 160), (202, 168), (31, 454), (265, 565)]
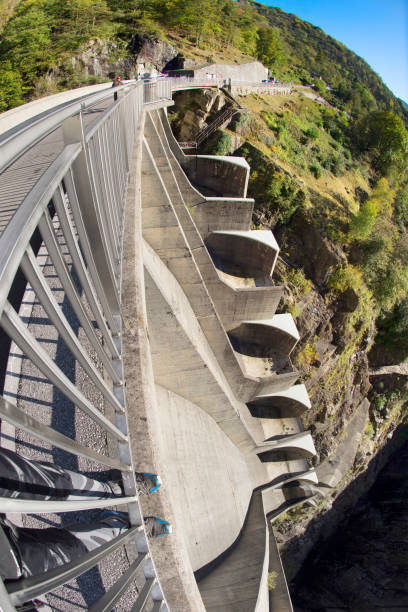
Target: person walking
[(116, 83)]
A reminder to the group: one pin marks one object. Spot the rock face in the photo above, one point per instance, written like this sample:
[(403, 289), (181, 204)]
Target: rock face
[(310, 249), (100, 58), (364, 566), (192, 109), (152, 54), (105, 59)]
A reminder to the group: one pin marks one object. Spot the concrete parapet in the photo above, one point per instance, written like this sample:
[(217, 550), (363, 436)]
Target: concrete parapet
[(307, 475), (291, 402), (233, 303), (297, 445), (209, 213), (277, 501), (262, 350), (279, 598), (250, 254), (235, 584), (175, 238), (212, 214), (242, 89), (279, 333), (221, 175)]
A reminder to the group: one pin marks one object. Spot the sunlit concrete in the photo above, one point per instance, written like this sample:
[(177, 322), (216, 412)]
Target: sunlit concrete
[(287, 403), (300, 444), (250, 254)]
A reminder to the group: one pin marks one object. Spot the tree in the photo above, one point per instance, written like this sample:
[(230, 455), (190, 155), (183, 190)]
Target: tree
[(269, 47), (11, 89), (381, 200), (26, 42), (382, 134)]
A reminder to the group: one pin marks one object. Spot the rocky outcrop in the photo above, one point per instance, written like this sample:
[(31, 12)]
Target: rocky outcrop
[(102, 58), (152, 54), (309, 248), (364, 565), (192, 109)]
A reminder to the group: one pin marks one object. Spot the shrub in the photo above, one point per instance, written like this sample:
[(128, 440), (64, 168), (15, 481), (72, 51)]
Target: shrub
[(11, 89), (338, 165), (312, 133), (219, 143), (316, 170), (307, 356), (336, 134), (344, 278), (272, 576), (381, 200), (238, 121), (297, 278)]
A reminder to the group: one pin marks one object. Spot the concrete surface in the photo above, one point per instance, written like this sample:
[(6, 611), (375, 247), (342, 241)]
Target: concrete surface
[(251, 71), (296, 445), (199, 384), (207, 474), (169, 554), (278, 333), (234, 301), (291, 402), (246, 254), (234, 586)]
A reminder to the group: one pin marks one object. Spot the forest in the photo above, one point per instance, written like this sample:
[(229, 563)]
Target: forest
[(41, 34)]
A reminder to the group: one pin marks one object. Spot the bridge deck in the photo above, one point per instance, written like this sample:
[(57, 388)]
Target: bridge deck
[(21, 176)]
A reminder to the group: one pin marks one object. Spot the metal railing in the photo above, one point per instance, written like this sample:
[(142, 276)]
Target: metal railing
[(65, 242), (77, 210)]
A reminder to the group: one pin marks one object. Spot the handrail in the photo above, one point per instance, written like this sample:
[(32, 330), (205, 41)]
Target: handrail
[(14, 142), (75, 214), (77, 207)]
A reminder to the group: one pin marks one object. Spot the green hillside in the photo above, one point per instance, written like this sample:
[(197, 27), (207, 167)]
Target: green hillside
[(354, 146), (308, 51), (41, 36)]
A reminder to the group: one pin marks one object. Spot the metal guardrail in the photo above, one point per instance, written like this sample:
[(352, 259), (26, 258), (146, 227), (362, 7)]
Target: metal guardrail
[(75, 212), (77, 207)]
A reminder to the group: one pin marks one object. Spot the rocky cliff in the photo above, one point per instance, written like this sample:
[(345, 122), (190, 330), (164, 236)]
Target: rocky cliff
[(363, 566), (355, 410)]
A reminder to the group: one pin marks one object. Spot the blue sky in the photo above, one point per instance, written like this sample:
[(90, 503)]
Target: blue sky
[(374, 29)]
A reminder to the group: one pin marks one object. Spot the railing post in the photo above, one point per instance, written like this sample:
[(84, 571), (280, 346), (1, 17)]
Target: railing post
[(73, 131), (122, 122)]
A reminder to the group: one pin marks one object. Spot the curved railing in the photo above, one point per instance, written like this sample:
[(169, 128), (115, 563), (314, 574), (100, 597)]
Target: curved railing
[(71, 224), (60, 267)]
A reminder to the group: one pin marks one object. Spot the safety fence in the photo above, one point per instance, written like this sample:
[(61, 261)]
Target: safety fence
[(60, 319), (65, 242)]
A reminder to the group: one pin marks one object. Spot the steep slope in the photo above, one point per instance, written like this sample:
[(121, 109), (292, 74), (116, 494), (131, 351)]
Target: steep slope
[(310, 184), (363, 566), (40, 38), (310, 53)]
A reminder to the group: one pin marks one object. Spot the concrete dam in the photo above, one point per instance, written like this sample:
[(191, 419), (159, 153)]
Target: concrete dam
[(140, 334)]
